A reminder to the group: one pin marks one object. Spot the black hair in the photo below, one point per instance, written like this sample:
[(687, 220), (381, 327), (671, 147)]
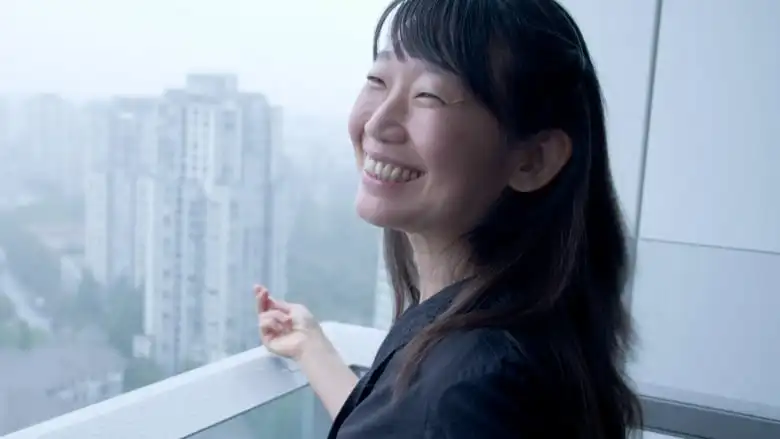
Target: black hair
[(562, 249)]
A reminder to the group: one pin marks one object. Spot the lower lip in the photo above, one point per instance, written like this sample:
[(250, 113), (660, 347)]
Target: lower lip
[(373, 184)]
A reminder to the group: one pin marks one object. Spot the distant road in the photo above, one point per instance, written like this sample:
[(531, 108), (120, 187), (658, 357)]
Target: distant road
[(21, 300)]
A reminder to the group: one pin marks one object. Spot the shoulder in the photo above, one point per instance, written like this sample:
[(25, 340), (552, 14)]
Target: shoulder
[(474, 363), (485, 385), (475, 352)]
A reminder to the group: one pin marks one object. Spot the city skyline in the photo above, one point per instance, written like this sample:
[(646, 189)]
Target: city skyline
[(169, 208)]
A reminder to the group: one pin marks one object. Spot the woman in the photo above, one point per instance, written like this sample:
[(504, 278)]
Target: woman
[(480, 135)]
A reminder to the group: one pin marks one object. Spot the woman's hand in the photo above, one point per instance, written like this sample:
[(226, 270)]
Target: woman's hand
[(286, 329), (289, 330)]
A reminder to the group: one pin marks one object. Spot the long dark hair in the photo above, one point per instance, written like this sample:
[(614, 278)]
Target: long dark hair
[(561, 249)]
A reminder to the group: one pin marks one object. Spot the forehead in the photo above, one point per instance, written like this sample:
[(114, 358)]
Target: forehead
[(388, 55)]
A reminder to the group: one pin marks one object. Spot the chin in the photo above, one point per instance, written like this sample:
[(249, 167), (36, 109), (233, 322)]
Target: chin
[(375, 217), (380, 214)]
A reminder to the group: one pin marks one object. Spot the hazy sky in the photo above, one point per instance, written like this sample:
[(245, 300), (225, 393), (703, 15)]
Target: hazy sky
[(308, 55)]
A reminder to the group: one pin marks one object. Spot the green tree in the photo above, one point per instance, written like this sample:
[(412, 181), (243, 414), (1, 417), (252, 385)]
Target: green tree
[(123, 314), (83, 308), (16, 333), (89, 296), (141, 372), (25, 338), (28, 259), (7, 337), (7, 322), (7, 309)]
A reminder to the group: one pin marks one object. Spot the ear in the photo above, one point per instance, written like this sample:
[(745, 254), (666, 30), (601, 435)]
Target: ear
[(540, 159)]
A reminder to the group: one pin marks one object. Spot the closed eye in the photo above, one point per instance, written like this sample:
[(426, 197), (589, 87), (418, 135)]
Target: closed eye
[(425, 95), (373, 80)]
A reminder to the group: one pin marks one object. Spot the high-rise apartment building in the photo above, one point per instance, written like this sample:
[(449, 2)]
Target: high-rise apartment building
[(211, 223), (120, 133)]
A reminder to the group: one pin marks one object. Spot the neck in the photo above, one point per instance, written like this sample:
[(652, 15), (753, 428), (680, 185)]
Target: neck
[(439, 263)]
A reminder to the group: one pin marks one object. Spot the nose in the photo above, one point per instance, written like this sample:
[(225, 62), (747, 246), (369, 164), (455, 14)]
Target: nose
[(386, 123)]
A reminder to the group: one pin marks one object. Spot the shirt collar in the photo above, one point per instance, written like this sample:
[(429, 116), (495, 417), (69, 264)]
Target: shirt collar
[(417, 317)]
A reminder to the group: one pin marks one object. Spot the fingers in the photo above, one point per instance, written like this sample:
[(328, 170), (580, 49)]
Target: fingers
[(261, 297), (265, 302), (273, 322), (279, 304)]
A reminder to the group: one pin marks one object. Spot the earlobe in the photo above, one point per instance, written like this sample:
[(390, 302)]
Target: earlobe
[(541, 160)]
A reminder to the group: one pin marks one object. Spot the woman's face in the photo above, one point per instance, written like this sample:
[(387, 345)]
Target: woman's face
[(432, 158)]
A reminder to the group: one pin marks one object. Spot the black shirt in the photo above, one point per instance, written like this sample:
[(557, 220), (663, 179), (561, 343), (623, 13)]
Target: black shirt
[(474, 383)]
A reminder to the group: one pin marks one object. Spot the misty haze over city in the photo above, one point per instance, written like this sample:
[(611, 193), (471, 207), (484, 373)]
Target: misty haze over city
[(157, 158)]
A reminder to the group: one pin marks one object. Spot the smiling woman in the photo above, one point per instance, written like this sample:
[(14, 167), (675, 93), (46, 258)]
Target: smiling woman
[(481, 138)]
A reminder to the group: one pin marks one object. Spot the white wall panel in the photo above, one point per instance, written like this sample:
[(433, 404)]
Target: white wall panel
[(708, 321), (713, 163)]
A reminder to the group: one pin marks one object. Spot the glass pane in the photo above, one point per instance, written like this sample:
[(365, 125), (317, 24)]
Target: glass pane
[(143, 195), (297, 415)]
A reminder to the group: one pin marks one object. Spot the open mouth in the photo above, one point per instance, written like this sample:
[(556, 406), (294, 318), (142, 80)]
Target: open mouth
[(389, 172)]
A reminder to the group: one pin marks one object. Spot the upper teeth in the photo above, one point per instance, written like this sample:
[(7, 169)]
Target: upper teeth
[(388, 172)]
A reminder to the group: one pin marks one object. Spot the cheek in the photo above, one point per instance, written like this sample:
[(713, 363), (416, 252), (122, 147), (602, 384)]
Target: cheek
[(356, 128), (463, 158), (358, 117), (446, 147)]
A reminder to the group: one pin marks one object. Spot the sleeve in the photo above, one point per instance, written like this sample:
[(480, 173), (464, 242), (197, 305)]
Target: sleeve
[(494, 405)]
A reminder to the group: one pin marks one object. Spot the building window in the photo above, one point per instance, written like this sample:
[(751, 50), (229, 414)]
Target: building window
[(196, 325), (229, 123)]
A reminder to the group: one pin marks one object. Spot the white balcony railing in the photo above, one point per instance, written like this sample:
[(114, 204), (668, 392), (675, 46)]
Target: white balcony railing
[(198, 400)]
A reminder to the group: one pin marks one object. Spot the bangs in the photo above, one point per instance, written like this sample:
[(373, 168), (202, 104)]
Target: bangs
[(461, 37), (452, 35), (522, 60)]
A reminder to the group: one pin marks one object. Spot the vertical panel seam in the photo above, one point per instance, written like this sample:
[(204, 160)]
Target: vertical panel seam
[(633, 255)]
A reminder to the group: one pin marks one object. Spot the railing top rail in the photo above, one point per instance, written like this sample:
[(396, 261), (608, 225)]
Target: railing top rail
[(194, 401)]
